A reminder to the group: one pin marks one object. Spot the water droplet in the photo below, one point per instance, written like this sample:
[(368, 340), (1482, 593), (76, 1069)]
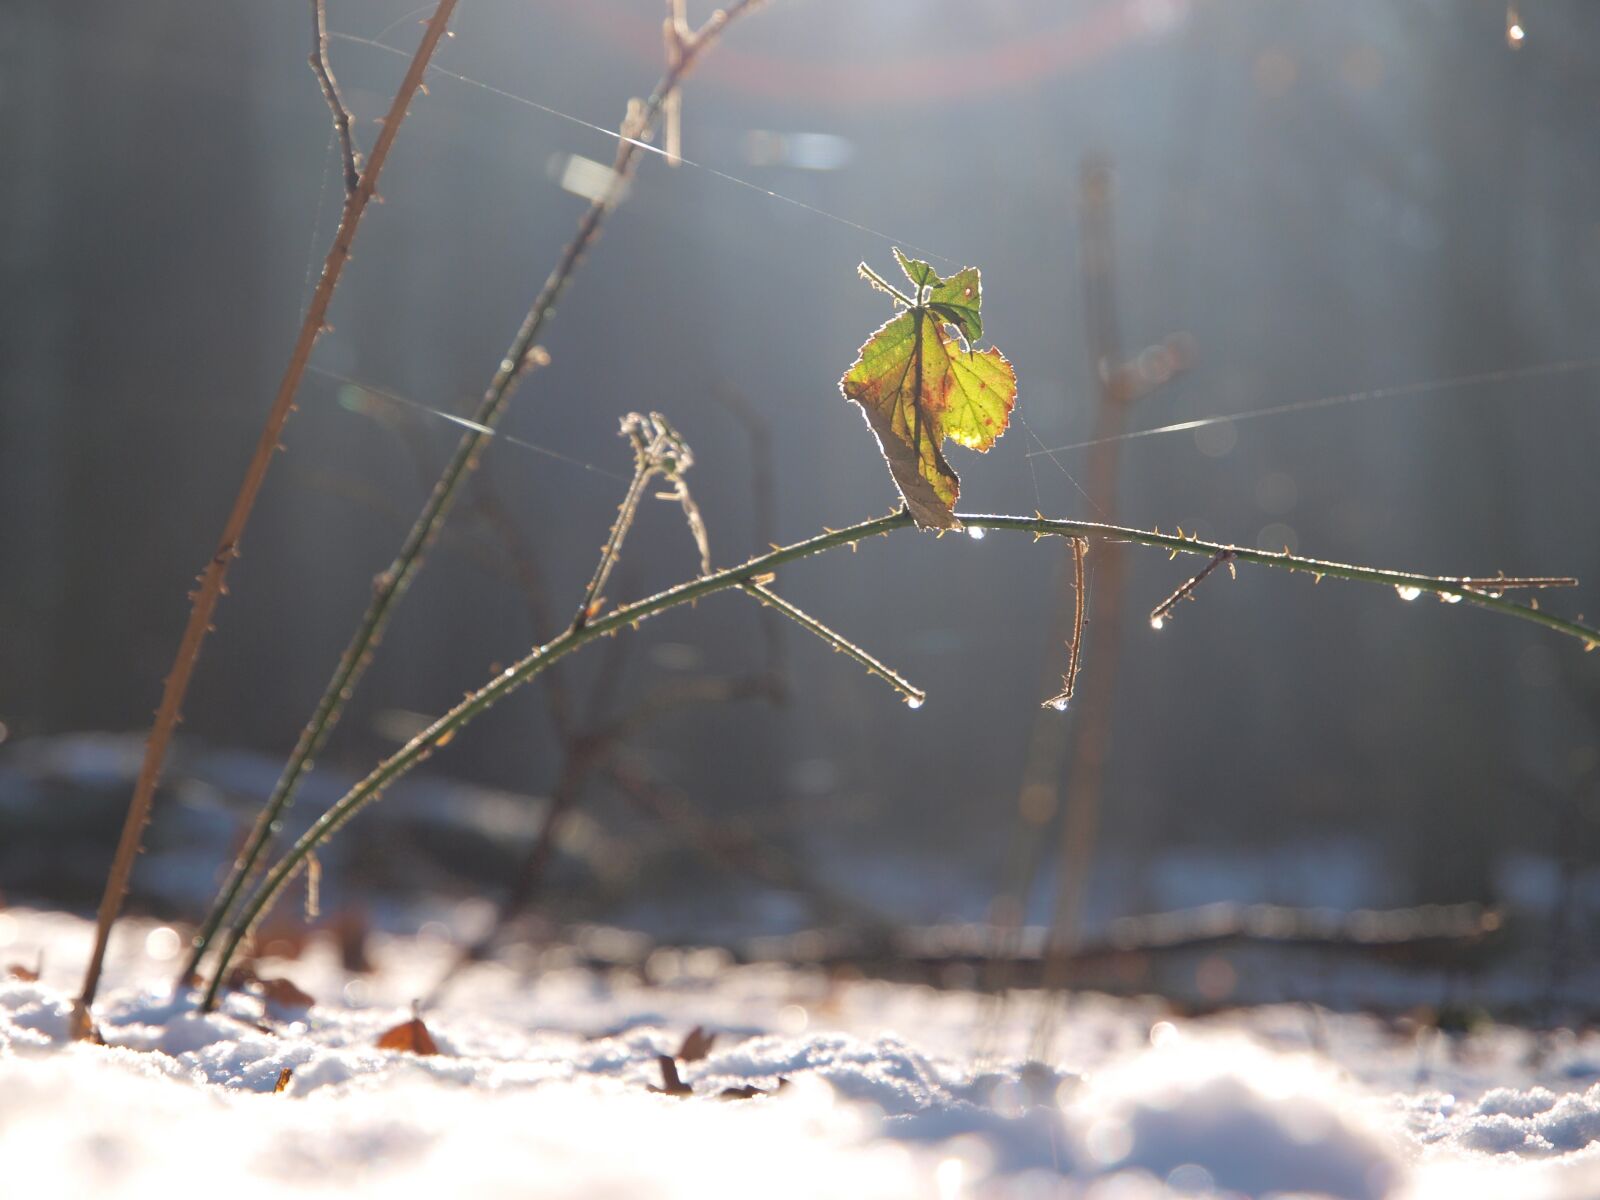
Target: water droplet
[(1407, 593), (914, 701), (975, 534), (1449, 598), (1059, 704), (1156, 623)]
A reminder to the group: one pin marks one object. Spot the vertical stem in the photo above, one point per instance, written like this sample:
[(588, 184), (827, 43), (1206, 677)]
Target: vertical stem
[(1080, 792), (213, 577), (391, 584), (626, 512)]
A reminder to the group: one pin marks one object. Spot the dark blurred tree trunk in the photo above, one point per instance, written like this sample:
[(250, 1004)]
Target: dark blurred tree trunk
[(33, 362)]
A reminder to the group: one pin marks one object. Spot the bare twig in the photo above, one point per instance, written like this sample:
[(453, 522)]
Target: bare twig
[(676, 35), (1120, 384), (391, 584), (1162, 613), (331, 93), (212, 579), (1069, 681), (914, 696), (658, 449), (1051, 778)]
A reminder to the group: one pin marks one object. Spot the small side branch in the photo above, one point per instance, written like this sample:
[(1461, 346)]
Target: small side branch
[(1080, 597), (1162, 613), (335, 99), (914, 696), (657, 450)]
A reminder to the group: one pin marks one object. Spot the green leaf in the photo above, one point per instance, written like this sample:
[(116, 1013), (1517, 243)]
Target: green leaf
[(918, 383), (959, 300), (919, 272)]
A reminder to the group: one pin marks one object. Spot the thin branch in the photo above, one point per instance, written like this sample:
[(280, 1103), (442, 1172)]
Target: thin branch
[(1063, 769), (883, 285), (915, 697), (1080, 605), (213, 578), (676, 34), (331, 93), (442, 730), (391, 584), (657, 450), (1162, 612)]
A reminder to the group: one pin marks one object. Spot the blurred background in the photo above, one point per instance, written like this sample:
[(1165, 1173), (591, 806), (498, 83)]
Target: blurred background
[(1289, 200)]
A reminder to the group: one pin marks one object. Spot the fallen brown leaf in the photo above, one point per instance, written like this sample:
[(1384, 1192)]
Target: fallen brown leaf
[(750, 1091), (411, 1036), (671, 1084), (283, 1079), (284, 994), (22, 974), (696, 1044)]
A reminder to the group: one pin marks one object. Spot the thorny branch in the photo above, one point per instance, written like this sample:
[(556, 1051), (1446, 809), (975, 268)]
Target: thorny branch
[(1080, 604), (1185, 591), (539, 659), (658, 449), (390, 586), (914, 696), (213, 578)]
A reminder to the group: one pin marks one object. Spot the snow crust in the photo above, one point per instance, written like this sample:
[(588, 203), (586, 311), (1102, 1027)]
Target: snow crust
[(543, 1088)]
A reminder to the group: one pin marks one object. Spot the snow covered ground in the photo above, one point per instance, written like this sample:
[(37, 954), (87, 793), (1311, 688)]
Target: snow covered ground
[(543, 1088)]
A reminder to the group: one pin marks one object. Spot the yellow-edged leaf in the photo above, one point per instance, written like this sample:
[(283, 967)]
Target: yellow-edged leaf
[(918, 381)]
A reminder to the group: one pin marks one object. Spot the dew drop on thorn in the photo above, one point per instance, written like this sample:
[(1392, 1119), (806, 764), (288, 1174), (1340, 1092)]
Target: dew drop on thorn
[(913, 701), (1059, 704), (1156, 622), (1449, 597), (975, 534), (1407, 593)]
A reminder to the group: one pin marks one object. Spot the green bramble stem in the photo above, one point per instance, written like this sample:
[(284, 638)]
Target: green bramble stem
[(744, 577)]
